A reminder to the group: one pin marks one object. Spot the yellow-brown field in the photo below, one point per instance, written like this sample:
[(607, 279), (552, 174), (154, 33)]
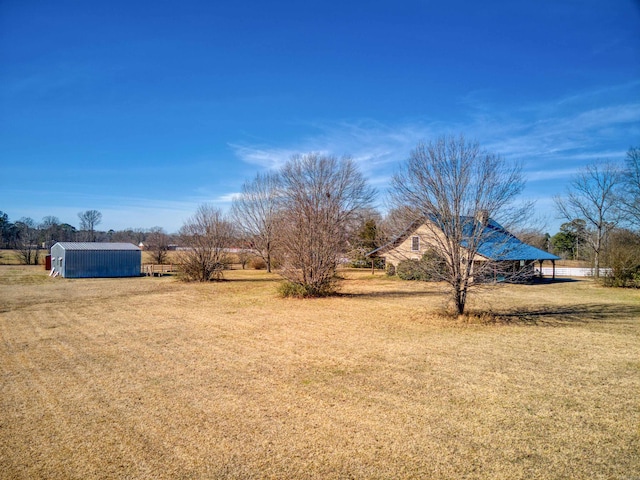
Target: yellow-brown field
[(154, 378)]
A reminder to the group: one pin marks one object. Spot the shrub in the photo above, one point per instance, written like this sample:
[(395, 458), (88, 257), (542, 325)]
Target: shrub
[(207, 236), (623, 258), (412, 270), (292, 290), (428, 269), (623, 277), (257, 263), (210, 271), (289, 289)]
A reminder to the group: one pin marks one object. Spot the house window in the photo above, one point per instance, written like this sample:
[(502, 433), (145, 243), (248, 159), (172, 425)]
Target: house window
[(415, 244)]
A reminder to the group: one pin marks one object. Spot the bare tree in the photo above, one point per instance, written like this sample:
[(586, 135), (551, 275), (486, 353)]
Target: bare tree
[(50, 227), (255, 212), (535, 237), (396, 222), (130, 235), (631, 184), (158, 244), (592, 195), (244, 256), (205, 237), (89, 220), (320, 196), (457, 187), (28, 247)]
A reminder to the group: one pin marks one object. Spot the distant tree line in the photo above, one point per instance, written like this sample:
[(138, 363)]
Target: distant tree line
[(29, 237)]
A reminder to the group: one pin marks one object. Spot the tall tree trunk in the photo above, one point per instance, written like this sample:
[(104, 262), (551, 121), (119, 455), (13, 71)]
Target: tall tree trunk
[(596, 255), (268, 258), (460, 302)]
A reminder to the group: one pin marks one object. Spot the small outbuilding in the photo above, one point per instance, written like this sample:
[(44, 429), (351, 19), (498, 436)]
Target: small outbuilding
[(92, 259)]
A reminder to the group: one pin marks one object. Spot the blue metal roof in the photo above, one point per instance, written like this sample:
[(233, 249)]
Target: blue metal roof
[(496, 243)]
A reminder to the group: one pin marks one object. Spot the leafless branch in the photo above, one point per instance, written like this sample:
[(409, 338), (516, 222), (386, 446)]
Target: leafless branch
[(457, 187), (320, 196), (206, 237)]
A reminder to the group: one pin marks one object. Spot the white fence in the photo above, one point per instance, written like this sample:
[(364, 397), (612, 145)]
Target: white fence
[(572, 271)]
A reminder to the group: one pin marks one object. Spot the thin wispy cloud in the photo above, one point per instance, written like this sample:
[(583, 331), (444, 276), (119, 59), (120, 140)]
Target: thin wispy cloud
[(607, 90), (565, 135), (545, 175), (263, 156), (227, 198), (370, 144), (552, 139)]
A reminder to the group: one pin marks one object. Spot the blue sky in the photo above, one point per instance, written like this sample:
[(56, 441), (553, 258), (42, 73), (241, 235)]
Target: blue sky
[(144, 110)]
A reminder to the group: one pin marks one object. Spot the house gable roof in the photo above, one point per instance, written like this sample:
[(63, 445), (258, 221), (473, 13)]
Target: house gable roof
[(496, 242), (398, 240)]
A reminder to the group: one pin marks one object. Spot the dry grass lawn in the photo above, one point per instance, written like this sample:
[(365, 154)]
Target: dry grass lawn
[(154, 378)]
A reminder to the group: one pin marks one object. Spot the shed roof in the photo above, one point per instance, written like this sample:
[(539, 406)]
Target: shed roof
[(97, 246)]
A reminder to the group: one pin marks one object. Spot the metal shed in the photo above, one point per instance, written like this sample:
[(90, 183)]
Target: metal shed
[(88, 260)]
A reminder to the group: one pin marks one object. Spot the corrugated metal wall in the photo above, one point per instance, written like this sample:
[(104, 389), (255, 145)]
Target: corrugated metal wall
[(95, 262)]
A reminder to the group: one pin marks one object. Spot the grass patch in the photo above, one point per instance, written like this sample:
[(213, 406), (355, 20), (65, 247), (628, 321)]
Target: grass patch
[(154, 378), (22, 275), (9, 257)]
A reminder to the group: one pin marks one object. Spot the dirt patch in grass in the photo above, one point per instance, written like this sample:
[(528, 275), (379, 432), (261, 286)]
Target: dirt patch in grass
[(154, 378)]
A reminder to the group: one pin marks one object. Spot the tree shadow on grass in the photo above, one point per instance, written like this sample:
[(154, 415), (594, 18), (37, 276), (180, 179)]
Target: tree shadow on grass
[(559, 315), (252, 280), (548, 281), (255, 280), (551, 281), (389, 294)]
